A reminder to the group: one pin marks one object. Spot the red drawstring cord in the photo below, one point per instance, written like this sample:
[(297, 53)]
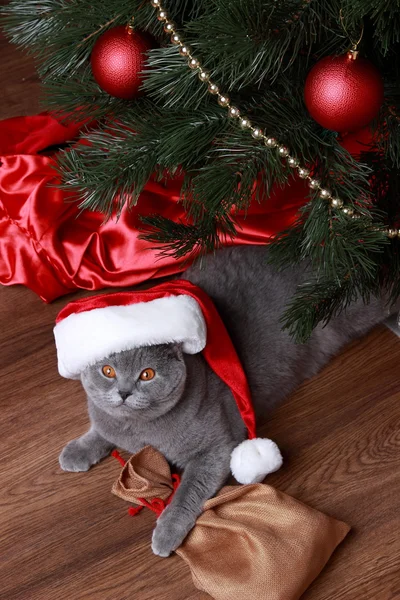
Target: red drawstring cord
[(157, 505), (117, 455)]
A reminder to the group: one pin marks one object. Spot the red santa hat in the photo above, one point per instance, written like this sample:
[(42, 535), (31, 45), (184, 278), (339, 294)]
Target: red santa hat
[(91, 329)]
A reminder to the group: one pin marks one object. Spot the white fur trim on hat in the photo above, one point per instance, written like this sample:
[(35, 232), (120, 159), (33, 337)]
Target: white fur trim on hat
[(87, 337), (253, 460)]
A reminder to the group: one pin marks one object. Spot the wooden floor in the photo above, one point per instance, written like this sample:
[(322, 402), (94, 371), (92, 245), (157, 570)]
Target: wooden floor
[(64, 536)]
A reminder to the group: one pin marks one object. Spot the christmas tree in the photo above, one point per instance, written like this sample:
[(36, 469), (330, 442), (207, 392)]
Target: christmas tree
[(225, 91)]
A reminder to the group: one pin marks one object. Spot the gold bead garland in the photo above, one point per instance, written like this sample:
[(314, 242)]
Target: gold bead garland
[(245, 123)]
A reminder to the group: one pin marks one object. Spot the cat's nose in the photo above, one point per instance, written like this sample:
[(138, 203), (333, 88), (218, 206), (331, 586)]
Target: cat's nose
[(124, 395)]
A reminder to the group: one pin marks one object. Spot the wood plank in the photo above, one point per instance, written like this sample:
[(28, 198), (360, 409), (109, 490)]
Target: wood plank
[(19, 91)]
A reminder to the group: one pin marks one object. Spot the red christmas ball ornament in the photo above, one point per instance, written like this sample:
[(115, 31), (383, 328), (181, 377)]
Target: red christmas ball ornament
[(117, 60), (343, 93)]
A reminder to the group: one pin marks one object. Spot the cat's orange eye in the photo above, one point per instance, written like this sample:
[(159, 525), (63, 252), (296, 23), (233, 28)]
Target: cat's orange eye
[(109, 371), (147, 375)]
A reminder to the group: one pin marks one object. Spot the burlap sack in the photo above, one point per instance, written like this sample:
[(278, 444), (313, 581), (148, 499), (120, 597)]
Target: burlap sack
[(252, 542)]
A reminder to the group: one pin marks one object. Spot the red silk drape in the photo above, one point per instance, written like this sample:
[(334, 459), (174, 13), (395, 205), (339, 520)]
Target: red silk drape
[(48, 246)]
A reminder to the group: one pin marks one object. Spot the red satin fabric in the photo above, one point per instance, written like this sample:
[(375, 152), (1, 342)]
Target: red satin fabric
[(219, 351), (48, 246)]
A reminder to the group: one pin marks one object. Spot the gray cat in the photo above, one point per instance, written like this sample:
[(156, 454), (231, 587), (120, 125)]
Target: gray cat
[(175, 402)]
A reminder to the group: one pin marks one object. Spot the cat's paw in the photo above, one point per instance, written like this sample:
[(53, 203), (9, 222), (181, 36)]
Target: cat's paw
[(170, 531), (74, 458)]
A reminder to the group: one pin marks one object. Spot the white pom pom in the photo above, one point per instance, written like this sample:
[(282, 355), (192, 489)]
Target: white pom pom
[(252, 460)]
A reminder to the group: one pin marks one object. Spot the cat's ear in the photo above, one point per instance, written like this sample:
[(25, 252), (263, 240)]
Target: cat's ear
[(177, 350)]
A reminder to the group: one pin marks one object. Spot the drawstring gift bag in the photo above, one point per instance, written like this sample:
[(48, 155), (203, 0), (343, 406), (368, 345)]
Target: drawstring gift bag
[(250, 542)]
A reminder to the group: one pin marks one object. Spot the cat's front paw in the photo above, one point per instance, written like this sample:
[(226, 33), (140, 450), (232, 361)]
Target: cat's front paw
[(74, 458), (170, 531)]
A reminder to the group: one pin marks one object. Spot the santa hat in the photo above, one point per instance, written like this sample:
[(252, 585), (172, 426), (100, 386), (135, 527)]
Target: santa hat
[(91, 329)]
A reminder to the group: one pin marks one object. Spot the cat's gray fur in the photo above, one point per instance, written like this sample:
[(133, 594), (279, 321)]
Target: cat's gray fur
[(186, 411)]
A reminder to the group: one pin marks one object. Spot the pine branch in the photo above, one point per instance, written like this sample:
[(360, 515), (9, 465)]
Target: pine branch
[(258, 40), (110, 169), (385, 18), (207, 236), (317, 301), (259, 51)]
